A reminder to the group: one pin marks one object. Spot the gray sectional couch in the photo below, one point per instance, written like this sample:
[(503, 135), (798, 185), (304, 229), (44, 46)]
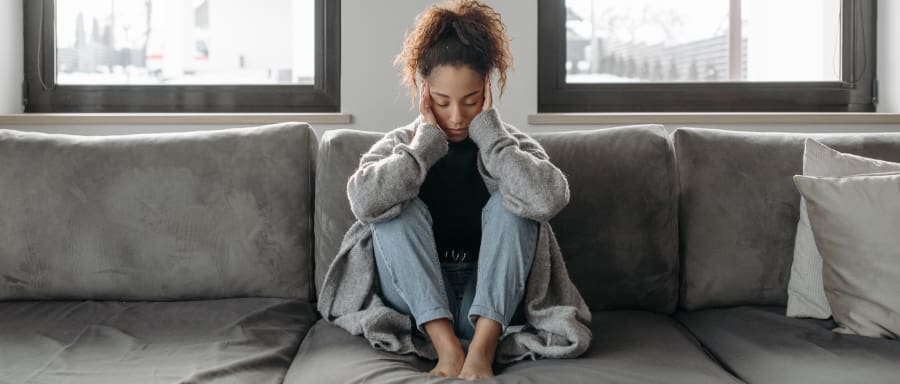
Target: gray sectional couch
[(195, 257)]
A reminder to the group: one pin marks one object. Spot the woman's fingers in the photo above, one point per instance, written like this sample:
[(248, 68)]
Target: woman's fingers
[(425, 105), (423, 102), (422, 97), (488, 102)]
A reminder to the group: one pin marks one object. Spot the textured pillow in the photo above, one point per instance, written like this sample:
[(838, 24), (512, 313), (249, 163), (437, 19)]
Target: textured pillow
[(806, 296), (855, 222)]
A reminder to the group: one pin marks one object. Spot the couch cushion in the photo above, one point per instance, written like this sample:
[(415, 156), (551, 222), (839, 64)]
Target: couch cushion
[(806, 290), (196, 215), (762, 345), (249, 340), (628, 347), (618, 234), (739, 209), (339, 154), (855, 220)]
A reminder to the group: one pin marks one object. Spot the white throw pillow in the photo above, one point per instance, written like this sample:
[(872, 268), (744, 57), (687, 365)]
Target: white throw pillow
[(855, 221), (806, 292)]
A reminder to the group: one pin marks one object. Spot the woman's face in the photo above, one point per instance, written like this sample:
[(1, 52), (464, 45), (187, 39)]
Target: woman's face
[(457, 95)]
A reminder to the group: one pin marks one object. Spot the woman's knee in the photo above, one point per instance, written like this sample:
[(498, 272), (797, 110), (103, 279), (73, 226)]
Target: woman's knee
[(415, 213), (495, 211)]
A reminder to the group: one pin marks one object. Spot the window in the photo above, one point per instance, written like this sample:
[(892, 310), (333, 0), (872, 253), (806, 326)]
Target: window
[(706, 55), (182, 56)]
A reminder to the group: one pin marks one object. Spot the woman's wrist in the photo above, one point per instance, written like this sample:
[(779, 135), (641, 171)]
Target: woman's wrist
[(486, 127), (429, 143)]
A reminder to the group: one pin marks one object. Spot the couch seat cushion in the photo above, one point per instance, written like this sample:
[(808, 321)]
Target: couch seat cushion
[(762, 345), (628, 347), (222, 341)]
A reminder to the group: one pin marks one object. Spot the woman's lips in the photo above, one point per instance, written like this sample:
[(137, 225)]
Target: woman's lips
[(457, 132)]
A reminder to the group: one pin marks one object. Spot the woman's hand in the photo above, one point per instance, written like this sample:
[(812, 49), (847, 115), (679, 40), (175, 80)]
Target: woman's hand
[(425, 105), (488, 102)]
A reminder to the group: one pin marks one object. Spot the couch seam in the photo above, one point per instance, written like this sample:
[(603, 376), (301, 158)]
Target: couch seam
[(699, 343)]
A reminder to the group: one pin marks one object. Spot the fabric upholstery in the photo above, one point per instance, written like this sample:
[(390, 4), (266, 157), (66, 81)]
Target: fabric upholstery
[(761, 345), (339, 154), (628, 347), (855, 221), (195, 215), (618, 234), (738, 210), (806, 292), (251, 340)]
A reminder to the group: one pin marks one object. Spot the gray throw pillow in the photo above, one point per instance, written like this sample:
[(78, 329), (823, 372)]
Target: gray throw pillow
[(806, 295), (856, 225)]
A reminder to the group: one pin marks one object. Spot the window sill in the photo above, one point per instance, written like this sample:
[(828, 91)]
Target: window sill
[(170, 118), (713, 118)]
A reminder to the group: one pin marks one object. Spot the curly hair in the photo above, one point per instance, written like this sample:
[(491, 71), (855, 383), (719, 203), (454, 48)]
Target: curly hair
[(457, 32)]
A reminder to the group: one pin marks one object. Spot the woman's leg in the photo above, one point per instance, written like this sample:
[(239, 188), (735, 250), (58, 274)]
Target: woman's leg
[(508, 243), (460, 279), (464, 329), (411, 280)]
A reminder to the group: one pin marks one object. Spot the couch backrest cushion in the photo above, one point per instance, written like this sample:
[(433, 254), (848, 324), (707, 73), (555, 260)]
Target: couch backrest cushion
[(739, 210), (339, 154), (618, 234), (194, 215)]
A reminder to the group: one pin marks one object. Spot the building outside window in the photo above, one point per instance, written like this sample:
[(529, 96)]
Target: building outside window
[(706, 55), (182, 55)]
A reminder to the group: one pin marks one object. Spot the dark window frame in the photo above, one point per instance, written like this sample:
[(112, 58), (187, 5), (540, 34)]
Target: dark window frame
[(848, 95), (49, 97)]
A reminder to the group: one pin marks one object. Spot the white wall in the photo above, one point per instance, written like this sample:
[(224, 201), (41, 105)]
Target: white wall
[(371, 88), (889, 56), (371, 34), (11, 56)]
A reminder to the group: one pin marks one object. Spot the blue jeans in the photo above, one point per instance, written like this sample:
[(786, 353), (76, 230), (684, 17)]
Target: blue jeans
[(414, 282)]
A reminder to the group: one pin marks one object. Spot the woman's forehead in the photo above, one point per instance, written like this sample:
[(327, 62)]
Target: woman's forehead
[(453, 81)]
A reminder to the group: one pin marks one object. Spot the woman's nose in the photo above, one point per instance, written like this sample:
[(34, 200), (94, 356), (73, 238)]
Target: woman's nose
[(456, 117)]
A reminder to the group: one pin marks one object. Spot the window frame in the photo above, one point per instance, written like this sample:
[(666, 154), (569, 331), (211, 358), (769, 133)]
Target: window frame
[(51, 97), (557, 96)]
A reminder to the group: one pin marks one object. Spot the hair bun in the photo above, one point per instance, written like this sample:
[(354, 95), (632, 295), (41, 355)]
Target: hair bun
[(448, 23), (459, 32), (456, 32)]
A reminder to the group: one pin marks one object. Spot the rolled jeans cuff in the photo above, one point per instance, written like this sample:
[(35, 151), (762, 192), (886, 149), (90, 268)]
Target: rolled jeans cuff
[(480, 310), (432, 314)]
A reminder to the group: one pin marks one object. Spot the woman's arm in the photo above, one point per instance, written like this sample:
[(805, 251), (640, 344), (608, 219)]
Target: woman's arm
[(392, 171), (530, 184)]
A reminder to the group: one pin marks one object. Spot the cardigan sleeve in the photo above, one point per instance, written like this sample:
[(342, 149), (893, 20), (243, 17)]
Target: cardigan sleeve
[(392, 171), (530, 184)]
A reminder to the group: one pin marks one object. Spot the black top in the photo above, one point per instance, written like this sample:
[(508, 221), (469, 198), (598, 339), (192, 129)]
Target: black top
[(455, 195)]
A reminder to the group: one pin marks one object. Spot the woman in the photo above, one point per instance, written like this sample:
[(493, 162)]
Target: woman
[(453, 205)]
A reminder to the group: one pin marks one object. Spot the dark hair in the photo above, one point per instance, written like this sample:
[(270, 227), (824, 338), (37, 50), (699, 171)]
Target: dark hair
[(458, 32)]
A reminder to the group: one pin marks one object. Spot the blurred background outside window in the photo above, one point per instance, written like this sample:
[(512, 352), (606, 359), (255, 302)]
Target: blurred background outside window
[(184, 42)]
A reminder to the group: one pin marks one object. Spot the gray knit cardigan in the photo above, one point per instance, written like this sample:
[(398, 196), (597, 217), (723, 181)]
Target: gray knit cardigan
[(389, 176)]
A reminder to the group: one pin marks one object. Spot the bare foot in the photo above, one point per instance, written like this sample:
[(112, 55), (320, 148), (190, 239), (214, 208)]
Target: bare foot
[(481, 350), (450, 353), (477, 366), (448, 365)]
